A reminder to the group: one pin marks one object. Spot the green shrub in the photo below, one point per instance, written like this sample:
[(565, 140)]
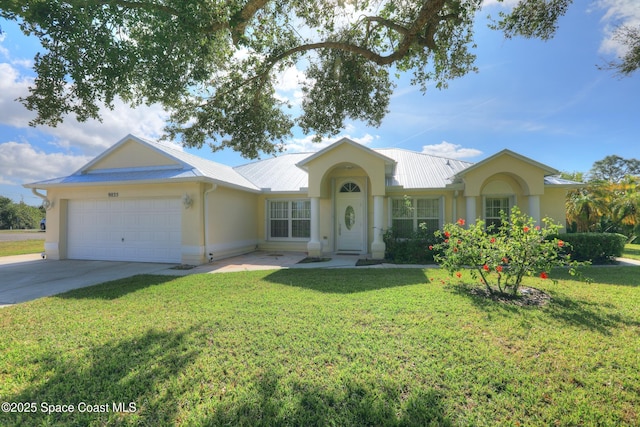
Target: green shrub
[(599, 248), (501, 257), (412, 249)]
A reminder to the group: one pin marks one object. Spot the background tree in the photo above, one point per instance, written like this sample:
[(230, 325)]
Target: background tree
[(19, 215), (629, 61), (213, 63), (610, 202), (614, 169)]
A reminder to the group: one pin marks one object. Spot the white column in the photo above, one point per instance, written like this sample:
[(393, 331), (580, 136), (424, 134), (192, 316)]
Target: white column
[(378, 246), (314, 247), (454, 209), (471, 209), (534, 208)]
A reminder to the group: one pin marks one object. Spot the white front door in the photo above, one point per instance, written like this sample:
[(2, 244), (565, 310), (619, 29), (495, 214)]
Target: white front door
[(350, 217)]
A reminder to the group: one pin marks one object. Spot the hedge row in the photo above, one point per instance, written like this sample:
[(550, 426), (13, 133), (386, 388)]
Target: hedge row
[(599, 248), (409, 250)]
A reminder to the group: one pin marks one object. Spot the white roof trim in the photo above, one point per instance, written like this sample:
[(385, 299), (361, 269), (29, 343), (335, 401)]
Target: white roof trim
[(84, 169), (336, 144), (134, 169), (548, 169)]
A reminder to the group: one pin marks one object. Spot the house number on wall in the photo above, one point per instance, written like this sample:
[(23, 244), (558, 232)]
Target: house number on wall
[(113, 194)]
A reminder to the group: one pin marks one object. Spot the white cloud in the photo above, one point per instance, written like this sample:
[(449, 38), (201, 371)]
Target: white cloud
[(93, 136), (306, 144), (504, 3), (290, 79), (451, 151), (617, 13), (12, 86), (288, 85), (90, 137), (20, 162)]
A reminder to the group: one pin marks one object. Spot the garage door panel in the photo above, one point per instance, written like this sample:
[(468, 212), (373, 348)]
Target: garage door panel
[(151, 229)]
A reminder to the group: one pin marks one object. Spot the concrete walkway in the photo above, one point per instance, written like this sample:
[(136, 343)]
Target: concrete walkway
[(27, 277), (261, 260)]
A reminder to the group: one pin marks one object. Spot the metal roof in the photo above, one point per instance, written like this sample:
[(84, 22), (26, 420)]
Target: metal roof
[(418, 170), (190, 167), (408, 170), (206, 168), (556, 180), (277, 174), (412, 170), (120, 177)]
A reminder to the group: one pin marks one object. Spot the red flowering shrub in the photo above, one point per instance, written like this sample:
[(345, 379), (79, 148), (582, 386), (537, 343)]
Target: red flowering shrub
[(502, 257)]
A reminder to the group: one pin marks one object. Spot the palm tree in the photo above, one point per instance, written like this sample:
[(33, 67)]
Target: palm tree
[(626, 207), (585, 207)]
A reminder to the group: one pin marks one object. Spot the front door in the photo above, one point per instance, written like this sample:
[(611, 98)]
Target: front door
[(350, 219)]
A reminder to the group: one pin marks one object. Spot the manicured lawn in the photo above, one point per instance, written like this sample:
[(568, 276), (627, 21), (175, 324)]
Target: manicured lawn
[(631, 251), (326, 347), (21, 247)]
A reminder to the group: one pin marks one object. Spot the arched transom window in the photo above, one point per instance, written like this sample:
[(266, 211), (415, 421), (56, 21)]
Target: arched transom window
[(350, 187)]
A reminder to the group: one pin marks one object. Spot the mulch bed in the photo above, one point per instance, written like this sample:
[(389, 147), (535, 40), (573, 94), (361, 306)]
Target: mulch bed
[(527, 297), (309, 260), (183, 267), (367, 262)]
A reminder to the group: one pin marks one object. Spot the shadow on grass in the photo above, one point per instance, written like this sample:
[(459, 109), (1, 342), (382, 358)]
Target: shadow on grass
[(346, 281), (606, 275), (117, 288), (631, 251), (483, 302), (136, 374), (597, 317), (351, 403)]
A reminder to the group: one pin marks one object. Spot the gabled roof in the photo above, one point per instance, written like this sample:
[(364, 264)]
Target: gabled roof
[(285, 174), (388, 161), (548, 170), (221, 174), (187, 168), (412, 170)]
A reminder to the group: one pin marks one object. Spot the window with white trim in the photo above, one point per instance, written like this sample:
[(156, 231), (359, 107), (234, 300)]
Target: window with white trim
[(289, 219), (407, 214), (493, 207)]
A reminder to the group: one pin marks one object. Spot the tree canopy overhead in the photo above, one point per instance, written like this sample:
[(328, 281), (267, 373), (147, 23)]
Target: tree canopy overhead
[(213, 63)]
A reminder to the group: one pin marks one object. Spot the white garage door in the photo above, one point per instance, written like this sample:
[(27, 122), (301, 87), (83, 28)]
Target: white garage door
[(147, 230)]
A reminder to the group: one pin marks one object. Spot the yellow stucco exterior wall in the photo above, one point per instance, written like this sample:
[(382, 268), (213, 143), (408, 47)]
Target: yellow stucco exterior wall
[(132, 155), (233, 218), (345, 155), (530, 178), (553, 205), (234, 221)]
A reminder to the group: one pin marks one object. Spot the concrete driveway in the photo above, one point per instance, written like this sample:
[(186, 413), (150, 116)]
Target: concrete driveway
[(27, 277)]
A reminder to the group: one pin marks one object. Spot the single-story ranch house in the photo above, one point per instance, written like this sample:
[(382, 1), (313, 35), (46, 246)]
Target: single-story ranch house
[(144, 201)]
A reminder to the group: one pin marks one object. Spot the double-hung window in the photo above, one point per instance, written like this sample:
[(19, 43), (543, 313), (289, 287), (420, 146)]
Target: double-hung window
[(289, 219), (407, 214), (493, 208)]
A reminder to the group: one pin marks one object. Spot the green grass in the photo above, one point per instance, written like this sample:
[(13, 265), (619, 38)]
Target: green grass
[(631, 251), (327, 347), (21, 247)]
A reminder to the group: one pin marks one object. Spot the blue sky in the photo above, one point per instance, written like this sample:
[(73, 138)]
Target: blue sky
[(545, 100)]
